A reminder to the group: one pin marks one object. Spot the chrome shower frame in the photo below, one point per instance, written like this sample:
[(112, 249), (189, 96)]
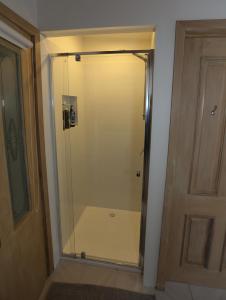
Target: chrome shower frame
[(148, 59)]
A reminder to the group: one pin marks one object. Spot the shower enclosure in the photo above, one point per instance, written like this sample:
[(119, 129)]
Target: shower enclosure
[(101, 113)]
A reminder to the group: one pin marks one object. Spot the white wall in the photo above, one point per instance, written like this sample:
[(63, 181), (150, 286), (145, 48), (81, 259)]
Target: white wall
[(25, 8), (57, 14)]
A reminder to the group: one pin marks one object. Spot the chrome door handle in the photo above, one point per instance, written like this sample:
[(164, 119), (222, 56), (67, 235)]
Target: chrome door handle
[(213, 112)]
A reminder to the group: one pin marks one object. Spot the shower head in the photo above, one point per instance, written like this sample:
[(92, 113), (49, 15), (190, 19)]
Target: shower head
[(78, 57)]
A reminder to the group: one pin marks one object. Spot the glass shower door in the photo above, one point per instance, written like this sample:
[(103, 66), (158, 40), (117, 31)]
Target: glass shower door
[(100, 160)]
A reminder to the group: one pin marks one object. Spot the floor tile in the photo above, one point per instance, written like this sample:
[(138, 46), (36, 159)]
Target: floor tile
[(161, 295), (178, 291), (77, 272), (204, 293)]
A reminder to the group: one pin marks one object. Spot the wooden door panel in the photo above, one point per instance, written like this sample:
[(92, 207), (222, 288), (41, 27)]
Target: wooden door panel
[(185, 138), (194, 227), (210, 127), (197, 228)]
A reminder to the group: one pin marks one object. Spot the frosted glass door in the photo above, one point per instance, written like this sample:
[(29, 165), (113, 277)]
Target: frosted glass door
[(11, 96)]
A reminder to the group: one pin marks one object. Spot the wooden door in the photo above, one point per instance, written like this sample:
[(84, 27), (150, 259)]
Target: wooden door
[(23, 264), (193, 247)]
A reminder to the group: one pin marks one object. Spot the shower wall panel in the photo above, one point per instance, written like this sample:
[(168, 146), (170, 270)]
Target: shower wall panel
[(71, 206), (112, 128)]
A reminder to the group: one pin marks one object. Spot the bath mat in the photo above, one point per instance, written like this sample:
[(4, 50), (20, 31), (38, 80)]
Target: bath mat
[(66, 291)]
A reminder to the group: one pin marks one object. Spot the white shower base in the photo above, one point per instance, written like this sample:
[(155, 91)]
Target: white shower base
[(109, 234)]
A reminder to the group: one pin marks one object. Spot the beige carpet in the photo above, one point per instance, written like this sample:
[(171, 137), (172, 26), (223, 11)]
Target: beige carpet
[(65, 291)]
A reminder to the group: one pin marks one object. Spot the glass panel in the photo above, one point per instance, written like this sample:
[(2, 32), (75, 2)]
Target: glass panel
[(10, 86)]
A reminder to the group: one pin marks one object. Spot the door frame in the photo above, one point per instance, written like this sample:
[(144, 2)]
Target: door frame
[(149, 70), (32, 33), (184, 29)]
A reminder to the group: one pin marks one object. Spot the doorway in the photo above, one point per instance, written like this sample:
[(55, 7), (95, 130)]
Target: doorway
[(101, 116)]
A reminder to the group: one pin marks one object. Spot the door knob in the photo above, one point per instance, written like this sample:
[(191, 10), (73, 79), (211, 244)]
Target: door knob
[(214, 110)]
